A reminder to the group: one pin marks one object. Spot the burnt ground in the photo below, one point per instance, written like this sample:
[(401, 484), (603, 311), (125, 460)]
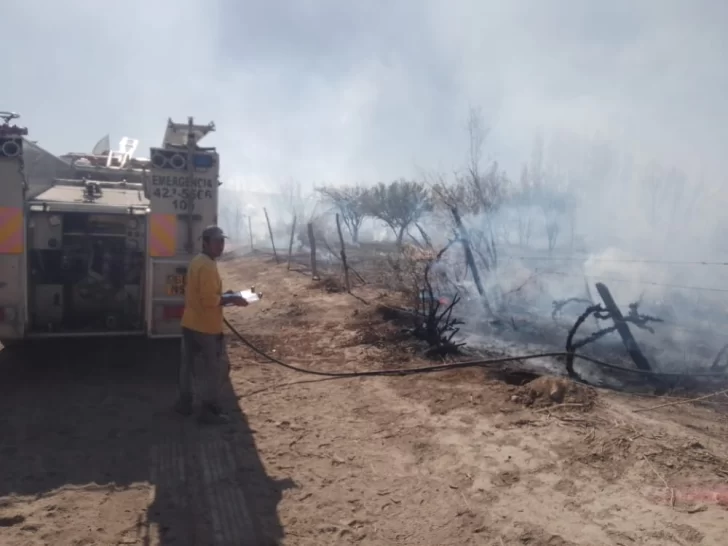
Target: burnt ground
[(91, 454)]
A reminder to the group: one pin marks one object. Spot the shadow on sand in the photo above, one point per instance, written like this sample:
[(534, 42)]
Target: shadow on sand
[(79, 413)]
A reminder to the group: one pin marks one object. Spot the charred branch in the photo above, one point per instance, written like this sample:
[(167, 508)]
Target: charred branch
[(558, 305), (425, 236), (434, 321), (603, 313), (469, 258), (620, 325)]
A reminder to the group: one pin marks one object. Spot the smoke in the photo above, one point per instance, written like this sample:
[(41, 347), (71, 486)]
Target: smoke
[(628, 97), (322, 90)]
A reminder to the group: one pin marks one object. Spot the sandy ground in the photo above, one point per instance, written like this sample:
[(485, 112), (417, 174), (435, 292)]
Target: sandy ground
[(91, 453)]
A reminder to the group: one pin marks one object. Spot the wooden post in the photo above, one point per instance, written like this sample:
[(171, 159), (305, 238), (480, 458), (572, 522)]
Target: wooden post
[(589, 297), (250, 233), (343, 254), (639, 359), (312, 245), (469, 258), (290, 244), (270, 232)]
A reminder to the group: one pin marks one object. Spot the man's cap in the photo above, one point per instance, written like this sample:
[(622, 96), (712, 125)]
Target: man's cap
[(213, 232)]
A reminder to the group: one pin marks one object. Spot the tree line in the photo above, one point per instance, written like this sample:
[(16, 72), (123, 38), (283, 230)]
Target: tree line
[(473, 192)]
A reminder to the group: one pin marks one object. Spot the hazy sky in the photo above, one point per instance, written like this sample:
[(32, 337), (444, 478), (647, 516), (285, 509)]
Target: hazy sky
[(340, 91)]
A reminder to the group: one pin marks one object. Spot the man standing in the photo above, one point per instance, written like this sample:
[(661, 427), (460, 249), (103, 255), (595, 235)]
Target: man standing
[(204, 356)]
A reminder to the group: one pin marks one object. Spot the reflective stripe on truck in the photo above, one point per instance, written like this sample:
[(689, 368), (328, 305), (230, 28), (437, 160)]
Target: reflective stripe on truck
[(162, 235), (11, 230)]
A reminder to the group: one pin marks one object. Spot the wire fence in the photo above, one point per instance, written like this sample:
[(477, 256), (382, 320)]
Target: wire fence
[(584, 257), (689, 338), (373, 254), (286, 239), (525, 287), (634, 281), (371, 262)]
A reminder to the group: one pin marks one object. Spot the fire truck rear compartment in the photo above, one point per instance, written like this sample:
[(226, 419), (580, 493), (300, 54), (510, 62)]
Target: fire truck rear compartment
[(86, 273)]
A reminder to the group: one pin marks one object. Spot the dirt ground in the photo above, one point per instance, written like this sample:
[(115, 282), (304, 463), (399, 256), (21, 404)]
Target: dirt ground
[(90, 452)]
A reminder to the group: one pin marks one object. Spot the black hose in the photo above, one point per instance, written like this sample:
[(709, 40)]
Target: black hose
[(460, 365)]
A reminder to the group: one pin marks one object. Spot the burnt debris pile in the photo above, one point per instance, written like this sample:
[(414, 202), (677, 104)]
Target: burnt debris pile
[(635, 366), (626, 349)]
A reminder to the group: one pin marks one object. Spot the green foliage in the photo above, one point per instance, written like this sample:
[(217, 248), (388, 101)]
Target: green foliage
[(398, 204), (349, 203)]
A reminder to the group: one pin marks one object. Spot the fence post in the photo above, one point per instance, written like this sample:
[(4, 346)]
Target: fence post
[(638, 357), (343, 254), (469, 258), (250, 233), (290, 244), (270, 231), (312, 245)]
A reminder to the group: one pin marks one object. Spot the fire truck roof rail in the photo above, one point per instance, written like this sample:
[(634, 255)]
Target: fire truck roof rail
[(123, 185)]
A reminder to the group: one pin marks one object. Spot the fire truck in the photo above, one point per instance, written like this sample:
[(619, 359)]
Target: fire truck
[(97, 244)]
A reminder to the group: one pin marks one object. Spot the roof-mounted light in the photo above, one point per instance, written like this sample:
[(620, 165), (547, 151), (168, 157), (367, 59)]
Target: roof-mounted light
[(11, 130)]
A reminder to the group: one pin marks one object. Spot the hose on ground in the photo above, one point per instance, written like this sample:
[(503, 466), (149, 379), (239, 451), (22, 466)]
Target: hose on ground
[(460, 365)]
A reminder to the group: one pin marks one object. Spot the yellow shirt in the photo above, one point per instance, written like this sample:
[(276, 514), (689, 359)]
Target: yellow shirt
[(203, 290)]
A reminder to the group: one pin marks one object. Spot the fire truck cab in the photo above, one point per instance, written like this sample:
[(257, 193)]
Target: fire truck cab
[(98, 244)]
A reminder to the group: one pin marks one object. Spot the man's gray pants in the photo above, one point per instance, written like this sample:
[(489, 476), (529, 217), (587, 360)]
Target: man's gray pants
[(204, 367)]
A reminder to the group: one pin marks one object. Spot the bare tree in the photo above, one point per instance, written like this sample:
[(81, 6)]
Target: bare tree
[(291, 193), (472, 191), (556, 204), (485, 189), (536, 169), (232, 213), (398, 204), (670, 202), (653, 184), (478, 194), (349, 202), (544, 188), (553, 228), (238, 221), (522, 201), (477, 133), (475, 193), (321, 225)]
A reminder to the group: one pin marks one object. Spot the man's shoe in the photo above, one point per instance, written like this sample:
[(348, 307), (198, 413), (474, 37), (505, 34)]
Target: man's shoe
[(183, 406)]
